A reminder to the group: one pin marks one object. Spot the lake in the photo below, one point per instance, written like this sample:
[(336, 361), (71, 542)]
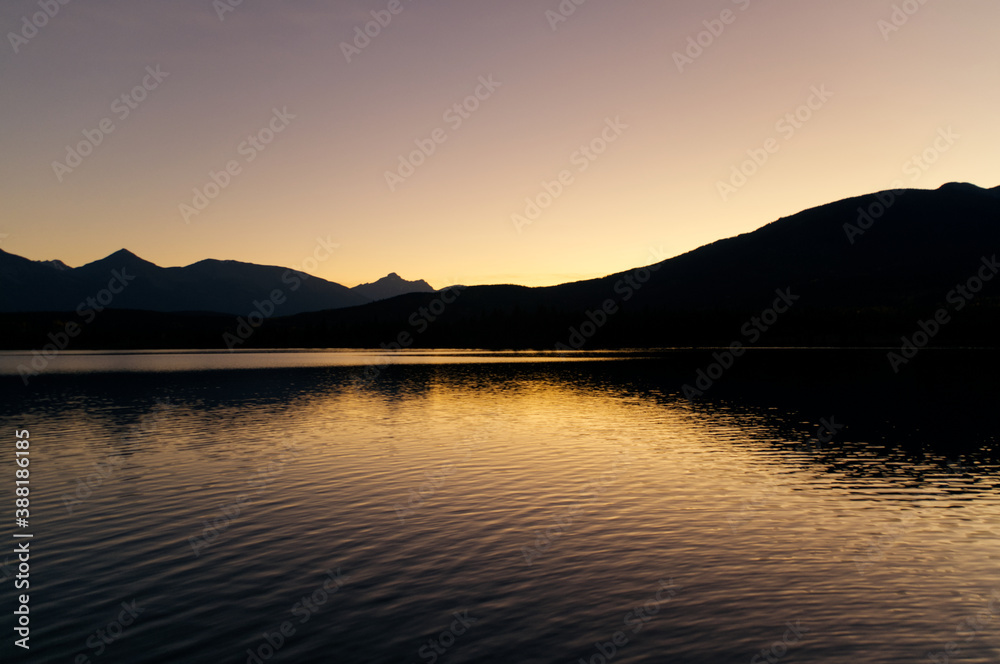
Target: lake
[(807, 506)]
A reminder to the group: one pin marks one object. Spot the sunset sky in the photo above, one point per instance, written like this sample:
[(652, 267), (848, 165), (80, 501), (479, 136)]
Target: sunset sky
[(668, 130)]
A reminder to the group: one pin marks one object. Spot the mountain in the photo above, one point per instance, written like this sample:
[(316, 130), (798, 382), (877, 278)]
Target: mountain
[(228, 287), (864, 271), (391, 286)]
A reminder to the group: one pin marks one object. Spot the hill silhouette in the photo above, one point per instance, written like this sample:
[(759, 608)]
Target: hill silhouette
[(862, 272)]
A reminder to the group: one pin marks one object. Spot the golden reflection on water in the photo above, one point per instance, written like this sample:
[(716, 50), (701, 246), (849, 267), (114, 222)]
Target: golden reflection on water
[(536, 494)]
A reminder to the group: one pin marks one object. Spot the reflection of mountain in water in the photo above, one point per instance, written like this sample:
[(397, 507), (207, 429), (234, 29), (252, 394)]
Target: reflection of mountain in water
[(931, 427)]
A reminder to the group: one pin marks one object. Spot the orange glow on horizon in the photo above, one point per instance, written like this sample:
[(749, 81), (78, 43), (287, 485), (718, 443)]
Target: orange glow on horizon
[(479, 124)]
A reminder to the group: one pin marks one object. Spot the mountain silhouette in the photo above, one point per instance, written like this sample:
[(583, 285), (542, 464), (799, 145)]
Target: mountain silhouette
[(391, 286), (229, 287), (864, 271)]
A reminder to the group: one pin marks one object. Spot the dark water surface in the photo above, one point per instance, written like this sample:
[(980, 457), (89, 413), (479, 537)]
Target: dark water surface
[(507, 508)]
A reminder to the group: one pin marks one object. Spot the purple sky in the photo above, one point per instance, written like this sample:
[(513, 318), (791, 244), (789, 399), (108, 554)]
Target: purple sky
[(578, 147)]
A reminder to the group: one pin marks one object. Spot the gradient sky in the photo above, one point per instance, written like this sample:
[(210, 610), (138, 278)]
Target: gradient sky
[(655, 187)]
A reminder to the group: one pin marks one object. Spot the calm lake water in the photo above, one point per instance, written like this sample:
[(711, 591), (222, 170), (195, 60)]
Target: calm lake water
[(474, 507)]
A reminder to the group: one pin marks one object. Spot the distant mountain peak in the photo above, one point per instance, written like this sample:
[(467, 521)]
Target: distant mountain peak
[(393, 277), (392, 285), (126, 257), (123, 253)]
